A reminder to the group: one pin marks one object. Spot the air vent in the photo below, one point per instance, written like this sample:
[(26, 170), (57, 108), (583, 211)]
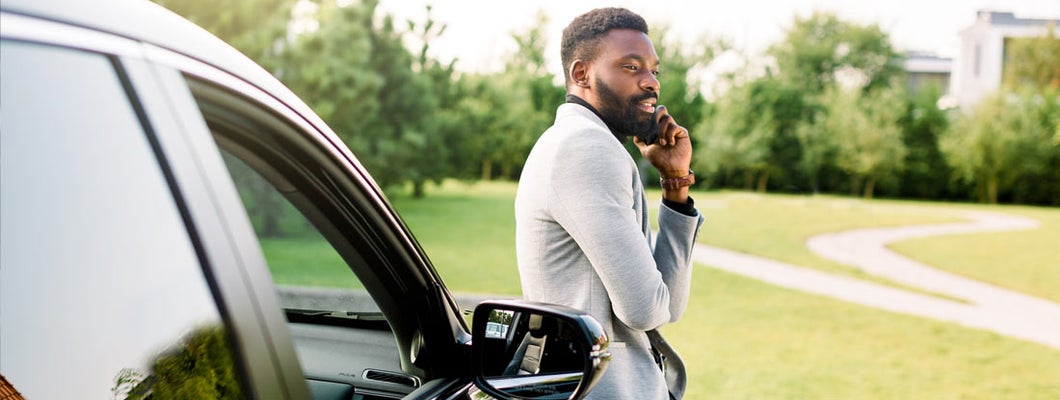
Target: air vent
[(391, 377)]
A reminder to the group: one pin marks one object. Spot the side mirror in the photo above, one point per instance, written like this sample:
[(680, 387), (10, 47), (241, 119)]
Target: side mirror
[(531, 350)]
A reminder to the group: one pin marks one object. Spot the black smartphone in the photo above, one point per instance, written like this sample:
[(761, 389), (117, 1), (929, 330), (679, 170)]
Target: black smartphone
[(651, 135)]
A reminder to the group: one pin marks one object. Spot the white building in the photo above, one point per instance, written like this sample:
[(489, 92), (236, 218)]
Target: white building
[(926, 69), (980, 64)]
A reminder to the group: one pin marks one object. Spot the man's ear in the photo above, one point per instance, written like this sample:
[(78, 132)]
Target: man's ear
[(579, 73)]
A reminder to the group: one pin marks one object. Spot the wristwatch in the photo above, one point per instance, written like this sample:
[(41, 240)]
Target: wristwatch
[(676, 183)]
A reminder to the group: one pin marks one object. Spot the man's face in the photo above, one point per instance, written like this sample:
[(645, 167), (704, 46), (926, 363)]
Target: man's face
[(625, 83)]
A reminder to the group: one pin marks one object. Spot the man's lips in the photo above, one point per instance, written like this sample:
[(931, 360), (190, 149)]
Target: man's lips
[(646, 103)]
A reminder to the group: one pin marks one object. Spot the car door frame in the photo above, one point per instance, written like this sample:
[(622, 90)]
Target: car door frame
[(431, 331)]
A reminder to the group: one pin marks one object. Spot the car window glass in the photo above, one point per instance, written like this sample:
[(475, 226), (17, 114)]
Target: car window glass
[(299, 257), (309, 273), (102, 295), (322, 241)]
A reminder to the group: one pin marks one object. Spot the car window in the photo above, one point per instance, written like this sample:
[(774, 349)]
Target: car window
[(308, 272), (337, 277), (316, 242), (102, 295)]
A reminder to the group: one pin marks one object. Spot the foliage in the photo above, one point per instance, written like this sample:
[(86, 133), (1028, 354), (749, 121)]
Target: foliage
[(1034, 61), (200, 366), (865, 129), (926, 174), (1007, 137), (252, 26), (360, 75), (820, 50), (784, 114), (735, 139)]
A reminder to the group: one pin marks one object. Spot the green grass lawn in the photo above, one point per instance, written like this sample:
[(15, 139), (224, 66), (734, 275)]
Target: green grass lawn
[(743, 339)]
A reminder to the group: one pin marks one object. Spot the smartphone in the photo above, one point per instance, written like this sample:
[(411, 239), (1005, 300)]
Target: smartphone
[(651, 135)]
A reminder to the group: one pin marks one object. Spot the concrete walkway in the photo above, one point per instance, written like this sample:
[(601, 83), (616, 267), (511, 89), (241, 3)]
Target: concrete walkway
[(987, 307)]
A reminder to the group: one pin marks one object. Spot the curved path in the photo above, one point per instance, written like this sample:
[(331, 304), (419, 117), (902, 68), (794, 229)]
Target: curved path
[(986, 306)]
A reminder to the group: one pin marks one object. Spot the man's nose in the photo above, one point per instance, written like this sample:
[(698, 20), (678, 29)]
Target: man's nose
[(650, 82)]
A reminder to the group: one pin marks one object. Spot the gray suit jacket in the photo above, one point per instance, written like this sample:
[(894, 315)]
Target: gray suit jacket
[(583, 240)]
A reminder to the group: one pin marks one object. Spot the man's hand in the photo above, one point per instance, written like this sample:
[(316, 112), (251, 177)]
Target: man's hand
[(671, 154)]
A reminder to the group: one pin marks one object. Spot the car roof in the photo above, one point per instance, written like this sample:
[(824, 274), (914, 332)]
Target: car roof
[(147, 22)]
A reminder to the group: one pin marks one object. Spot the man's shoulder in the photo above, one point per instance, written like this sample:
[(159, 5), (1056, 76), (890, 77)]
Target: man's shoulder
[(577, 124)]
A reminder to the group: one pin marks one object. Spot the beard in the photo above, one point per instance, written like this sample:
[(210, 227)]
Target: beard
[(623, 117)]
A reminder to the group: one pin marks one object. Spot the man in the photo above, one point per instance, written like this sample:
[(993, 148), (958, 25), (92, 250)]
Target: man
[(582, 233)]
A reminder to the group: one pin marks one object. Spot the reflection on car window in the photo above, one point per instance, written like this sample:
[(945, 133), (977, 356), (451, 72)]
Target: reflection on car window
[(101, 292)]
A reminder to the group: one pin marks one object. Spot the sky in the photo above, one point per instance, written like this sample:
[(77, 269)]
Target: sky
[(479, 32)]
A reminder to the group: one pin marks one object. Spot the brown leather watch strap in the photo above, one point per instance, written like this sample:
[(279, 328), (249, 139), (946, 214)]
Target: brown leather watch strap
[(676, 183)]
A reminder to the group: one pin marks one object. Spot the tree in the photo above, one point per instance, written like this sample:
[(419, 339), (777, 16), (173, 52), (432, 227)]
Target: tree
[(821, 50), (1006, 136), (820, 53), (496, 112), (1034, 61), (736, 138), (358, 76), (503, 113), (867, 137), (435, 163), (527, 70), (817, 146), (926, 173), (252, 26)]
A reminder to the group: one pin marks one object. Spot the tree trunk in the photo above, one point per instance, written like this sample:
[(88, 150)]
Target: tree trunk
[(506, 171), (870, 185), (418, 189), (991, 189), (270, 209), (748, 178), (487, 169), (763, 181)]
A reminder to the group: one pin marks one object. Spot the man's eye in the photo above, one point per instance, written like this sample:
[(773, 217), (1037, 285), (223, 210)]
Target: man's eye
[(656, 72), (630, 67)]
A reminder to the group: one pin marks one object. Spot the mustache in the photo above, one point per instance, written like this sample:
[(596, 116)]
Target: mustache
[(649, 95)]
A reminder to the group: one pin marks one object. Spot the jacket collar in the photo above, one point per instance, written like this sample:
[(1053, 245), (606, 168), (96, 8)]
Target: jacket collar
[(572, 99)]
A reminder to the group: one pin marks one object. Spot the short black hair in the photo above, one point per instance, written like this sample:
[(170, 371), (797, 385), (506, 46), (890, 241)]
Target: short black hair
[(581, 39)]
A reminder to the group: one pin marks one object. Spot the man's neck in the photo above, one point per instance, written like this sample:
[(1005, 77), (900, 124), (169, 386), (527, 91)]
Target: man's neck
[(571, 98)]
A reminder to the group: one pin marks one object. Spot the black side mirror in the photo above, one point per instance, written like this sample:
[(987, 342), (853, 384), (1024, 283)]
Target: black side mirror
[(531, 350)]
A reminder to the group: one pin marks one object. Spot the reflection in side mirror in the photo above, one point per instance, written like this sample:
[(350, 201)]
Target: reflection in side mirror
[(530, 350)]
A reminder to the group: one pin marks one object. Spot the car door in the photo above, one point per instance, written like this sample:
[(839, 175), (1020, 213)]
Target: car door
[(367, 314), (106, 287)]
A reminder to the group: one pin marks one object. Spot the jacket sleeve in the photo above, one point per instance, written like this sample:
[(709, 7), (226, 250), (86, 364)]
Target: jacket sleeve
[(592, 197), (673, 255)]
